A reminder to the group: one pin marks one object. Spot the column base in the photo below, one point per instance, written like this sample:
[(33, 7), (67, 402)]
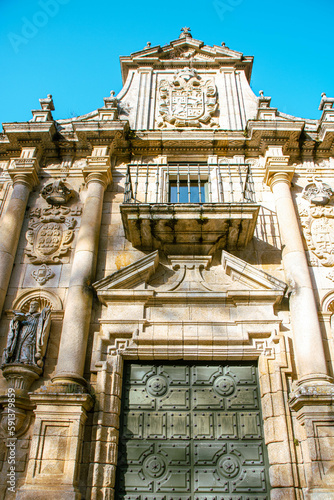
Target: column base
[(314, 379), (319, 494), (69, 378), (48, 492), (55, 451), (314, 407)]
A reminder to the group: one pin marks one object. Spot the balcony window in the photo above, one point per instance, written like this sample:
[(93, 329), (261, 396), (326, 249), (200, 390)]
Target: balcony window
[(189, 208), (192, 183), (188, 191)]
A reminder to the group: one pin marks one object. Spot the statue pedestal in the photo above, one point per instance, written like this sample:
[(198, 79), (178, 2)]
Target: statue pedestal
[(20, 377), (313, 405), (17, 402), (56, 446)]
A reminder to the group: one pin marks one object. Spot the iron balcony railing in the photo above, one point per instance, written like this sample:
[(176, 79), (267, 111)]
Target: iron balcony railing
[(189, 183)]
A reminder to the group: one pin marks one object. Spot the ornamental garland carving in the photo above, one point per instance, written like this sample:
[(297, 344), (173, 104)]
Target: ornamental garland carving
[(187, 101), (50, 233)]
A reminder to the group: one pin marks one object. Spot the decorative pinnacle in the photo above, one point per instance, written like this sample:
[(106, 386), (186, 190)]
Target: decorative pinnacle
[(47, 103), (185, 33), (326, 102)]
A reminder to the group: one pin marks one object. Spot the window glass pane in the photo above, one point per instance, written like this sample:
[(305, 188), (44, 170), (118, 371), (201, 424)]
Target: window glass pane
[(184, 192)]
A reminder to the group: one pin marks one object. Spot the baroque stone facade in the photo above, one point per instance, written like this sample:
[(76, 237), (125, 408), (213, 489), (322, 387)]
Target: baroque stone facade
[(166, 289)]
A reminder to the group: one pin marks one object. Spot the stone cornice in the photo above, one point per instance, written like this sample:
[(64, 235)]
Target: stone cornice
[(258, 135), (29, 132)]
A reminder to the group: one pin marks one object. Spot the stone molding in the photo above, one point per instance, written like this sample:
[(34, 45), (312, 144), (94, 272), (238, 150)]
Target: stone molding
[(98, 169), (278, 170), (138, 272), (24, 171)]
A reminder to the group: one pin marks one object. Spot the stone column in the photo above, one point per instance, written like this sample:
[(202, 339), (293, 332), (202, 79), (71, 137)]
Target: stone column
[(73, 344), (308, 344), (23, 172)]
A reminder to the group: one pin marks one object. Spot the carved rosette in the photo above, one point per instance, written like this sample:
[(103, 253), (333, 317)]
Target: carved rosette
[(187, 101), (50, 233)]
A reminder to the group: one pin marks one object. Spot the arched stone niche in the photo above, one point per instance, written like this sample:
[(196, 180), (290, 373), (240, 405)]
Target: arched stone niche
[(44, 297)]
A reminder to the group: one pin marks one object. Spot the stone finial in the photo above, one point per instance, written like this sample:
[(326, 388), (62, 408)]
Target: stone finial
[(185, 33), (111, 101), (44, 114), (47, 103), (326, 102), (148, 45), (264, 101)]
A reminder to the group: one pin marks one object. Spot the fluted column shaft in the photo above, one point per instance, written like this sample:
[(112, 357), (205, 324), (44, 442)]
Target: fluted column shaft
[(309, 349), (74, 336)]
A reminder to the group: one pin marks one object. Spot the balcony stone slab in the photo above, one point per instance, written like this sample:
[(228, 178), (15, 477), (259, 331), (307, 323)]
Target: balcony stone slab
[(180, 228)]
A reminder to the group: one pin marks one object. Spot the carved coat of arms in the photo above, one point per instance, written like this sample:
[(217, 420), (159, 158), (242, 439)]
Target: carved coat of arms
[(187, 101), (319, 233), (50, 233), (318, 221)]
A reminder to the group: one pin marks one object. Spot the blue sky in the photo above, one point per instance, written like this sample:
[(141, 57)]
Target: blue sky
[(71, 48)]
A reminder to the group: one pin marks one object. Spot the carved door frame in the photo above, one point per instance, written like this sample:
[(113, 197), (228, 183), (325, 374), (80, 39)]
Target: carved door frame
[(274, 365)]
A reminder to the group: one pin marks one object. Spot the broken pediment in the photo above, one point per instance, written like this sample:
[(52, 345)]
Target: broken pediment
[(190, 276), (130, 276), (185, 301)]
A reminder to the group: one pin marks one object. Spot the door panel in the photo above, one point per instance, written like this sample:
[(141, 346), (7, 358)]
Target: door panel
[(191, 432)]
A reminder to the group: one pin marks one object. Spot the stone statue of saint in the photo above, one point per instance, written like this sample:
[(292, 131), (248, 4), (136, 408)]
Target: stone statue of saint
[(28, 336)]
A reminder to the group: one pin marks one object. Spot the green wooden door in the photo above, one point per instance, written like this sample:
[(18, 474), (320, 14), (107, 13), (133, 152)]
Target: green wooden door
[(191, 432)]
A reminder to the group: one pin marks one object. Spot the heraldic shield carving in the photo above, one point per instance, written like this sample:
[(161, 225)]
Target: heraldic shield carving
[(50, 233), (187, 101), (319, 233), (318, 221)]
